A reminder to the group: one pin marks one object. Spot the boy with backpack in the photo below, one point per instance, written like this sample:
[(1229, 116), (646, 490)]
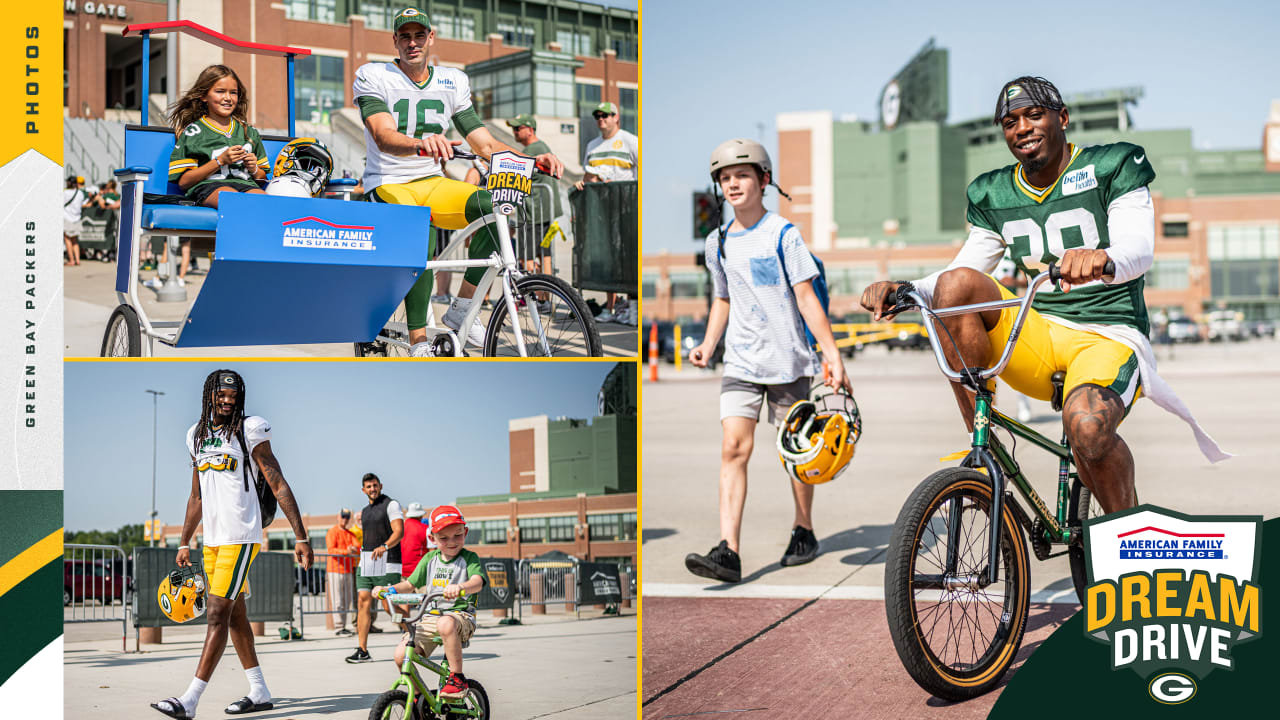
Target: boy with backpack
[(770, 295)]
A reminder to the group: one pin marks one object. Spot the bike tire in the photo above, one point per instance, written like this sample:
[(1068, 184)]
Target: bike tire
[(946, 674), (1082, 506), (384, 707), (569, 330), (477, 702), (123, 337)]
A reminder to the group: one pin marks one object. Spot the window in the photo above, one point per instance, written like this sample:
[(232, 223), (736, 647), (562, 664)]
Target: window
[(1174, 228), (1243, 260), (850, 280), (317, 540), (493, 532), (625, 46), (588, 99), (613, 526), (1168, 274), (378, 14), (454, 27), (319, 10), (280, 541), (574, 41), (561, 528), (627, 115), (649, 286), (533, 530), (516, 34), (688, 284), (503, 93), (318, 87), (553, 90)]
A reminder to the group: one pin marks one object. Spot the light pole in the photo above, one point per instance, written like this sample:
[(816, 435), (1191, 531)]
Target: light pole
[(155, 398)]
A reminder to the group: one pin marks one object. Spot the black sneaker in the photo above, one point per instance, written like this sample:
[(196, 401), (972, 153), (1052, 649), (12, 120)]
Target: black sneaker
[(803, 547), (360, 656), (720, 564)]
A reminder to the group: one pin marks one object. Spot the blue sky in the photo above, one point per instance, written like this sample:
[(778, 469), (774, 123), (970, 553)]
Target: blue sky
[(431, 431), (729, 70)]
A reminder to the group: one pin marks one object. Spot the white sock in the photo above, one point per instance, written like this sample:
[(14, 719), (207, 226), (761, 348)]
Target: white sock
[(191, 698), (258, 691)]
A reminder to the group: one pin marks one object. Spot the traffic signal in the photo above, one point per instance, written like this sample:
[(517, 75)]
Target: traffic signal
[(706, 214)]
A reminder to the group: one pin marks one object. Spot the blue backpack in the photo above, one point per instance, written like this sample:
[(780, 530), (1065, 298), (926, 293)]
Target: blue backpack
[(819, 282)]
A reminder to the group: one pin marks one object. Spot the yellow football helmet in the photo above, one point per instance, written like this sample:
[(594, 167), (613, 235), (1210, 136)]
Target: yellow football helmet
[(816, 440), (181, 595), (308, 159)]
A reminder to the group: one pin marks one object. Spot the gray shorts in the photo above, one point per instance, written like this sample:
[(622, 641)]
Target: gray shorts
[(742, 398), (71, 228)]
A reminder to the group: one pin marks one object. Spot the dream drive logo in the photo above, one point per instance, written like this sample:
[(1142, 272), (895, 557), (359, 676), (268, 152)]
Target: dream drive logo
[(313, 233), (510, 180), (1172, 594)]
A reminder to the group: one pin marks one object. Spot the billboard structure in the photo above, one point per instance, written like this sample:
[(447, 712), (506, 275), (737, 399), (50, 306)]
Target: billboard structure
[(918, 92)]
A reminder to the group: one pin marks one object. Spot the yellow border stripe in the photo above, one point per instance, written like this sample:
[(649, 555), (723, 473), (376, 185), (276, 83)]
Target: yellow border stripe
[(1034, 192), (30, 560)]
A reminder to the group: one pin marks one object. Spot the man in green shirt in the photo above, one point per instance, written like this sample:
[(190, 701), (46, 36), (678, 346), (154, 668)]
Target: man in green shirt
[(543, 204)]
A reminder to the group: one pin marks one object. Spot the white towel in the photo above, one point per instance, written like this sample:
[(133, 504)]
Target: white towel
[(1153, 386)]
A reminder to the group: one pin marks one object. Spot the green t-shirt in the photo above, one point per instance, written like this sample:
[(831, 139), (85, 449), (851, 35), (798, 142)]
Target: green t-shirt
[(1040, 224), (535, 149), (434, 573), (202, 141)]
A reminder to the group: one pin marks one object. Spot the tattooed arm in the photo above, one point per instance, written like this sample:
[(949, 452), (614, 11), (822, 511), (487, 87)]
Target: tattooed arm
[(195, 508), (270, 469)]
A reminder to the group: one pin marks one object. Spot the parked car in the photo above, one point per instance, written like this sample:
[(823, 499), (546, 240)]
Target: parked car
[(1183, 330), (87, 581), (690, 337), (1261, 328), (1225, 325)]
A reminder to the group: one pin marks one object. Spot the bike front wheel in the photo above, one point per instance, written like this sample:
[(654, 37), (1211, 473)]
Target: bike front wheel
[(955, 635), (390, 705), (558, 326), (1083, 506)]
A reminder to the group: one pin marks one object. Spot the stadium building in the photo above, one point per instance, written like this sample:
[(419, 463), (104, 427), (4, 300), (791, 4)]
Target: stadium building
[(885, 199), (555, 59)]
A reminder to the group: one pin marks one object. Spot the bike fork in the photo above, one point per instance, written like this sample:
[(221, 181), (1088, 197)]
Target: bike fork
[(980, 454)]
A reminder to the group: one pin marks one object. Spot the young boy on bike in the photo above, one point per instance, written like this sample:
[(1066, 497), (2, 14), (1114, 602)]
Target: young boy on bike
[(453, 573), (765, 298)]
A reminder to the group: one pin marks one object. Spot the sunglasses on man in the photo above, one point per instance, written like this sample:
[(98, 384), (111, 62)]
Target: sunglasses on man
[(602, 115)]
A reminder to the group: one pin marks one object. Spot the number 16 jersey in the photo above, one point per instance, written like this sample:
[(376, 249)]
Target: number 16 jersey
[(419, 109), (1040, 224)]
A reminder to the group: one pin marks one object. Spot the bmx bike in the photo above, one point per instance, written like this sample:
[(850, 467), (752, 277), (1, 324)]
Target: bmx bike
[(409, 696), (537, 315), (957, 579)]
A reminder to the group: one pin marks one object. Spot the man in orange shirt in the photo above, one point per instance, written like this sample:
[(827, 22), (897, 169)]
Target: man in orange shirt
[(339, 542)]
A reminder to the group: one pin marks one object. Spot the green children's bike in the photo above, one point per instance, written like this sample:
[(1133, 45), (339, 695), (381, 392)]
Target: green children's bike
[(409, 697), (957, 579)]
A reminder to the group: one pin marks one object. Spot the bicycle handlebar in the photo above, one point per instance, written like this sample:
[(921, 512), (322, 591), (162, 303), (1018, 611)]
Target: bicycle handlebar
[(423, 600), (464, 155), (906, 297)]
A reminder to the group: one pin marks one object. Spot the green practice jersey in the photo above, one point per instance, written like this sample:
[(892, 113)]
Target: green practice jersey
[(1040, 224), (202, 141)]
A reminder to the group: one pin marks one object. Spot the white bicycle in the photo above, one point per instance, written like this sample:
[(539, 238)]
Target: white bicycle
[(536, 316)]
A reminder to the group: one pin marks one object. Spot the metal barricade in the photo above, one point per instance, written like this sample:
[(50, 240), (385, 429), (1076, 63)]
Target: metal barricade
[(532, 223), (313, 587), (546, 582), (97, 586)]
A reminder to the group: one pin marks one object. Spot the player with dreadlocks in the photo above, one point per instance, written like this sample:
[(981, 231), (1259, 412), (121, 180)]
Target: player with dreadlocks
[(231, 461), (1095, 201)]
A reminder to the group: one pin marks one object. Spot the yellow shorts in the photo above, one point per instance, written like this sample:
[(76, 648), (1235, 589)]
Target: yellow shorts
[(228, 568), (1045, 347), (446, 197)]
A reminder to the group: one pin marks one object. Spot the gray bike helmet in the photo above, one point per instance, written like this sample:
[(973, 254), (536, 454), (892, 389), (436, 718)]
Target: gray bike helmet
[(739, 151)]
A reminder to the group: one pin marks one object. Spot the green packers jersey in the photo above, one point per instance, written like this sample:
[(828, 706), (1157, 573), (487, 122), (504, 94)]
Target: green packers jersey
[(1040, 224), (202, 141)]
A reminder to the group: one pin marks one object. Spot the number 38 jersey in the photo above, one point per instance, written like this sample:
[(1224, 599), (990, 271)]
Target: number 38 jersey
[(1040, 224), (419, 109)]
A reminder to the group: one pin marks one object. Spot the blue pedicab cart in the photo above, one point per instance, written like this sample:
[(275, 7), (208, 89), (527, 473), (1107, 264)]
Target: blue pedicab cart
[(300, 270)]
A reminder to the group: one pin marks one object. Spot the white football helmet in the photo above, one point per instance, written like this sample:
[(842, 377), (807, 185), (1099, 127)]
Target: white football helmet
[(289, 186)]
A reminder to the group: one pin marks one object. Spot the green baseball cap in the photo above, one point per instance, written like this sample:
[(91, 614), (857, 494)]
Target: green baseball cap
[(411, 15), (606, 107), (523, 120)]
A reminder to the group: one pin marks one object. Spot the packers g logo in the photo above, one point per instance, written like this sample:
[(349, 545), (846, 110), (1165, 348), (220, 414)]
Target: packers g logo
[(1013, 92), (409, 12), (165, 604), (1172, 688)]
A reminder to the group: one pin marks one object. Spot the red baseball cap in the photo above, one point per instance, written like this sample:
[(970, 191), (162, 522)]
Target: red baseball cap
[(445, 515)]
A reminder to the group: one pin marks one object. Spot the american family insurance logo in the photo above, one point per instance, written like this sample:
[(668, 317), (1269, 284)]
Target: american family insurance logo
[(312, 232), (1172, 594)]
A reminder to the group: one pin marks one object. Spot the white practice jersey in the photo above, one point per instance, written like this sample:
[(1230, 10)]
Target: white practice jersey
[(231, 514), (419, 110)]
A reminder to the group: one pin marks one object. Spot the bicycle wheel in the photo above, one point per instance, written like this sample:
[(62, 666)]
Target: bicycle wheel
[(124, 334), (390, 705), (1082, 506), (475, 706), (562, 327), (397, 327), (955, 637)]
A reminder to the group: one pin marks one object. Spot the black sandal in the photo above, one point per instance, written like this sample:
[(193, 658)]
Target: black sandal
[(180, 712), (245, 705)]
